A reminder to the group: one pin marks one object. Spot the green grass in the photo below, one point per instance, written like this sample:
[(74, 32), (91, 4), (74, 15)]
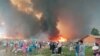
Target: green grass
[(65, 52), (89, 51)]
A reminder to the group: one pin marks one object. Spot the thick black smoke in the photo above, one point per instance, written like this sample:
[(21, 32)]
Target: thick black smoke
[(80, 13), (49, 20), (18, 22), (28, 25)]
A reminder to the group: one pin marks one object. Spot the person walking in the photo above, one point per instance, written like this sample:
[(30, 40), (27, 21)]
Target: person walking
[(59, 48), (77, 49), (81, 48)]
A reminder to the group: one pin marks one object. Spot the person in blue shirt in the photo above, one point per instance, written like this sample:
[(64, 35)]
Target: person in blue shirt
[(77, 49)]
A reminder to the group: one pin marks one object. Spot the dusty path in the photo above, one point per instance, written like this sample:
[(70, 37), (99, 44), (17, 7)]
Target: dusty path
[(2, 52)]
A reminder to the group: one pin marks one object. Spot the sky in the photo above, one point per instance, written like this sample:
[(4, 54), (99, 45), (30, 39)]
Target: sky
[(13, 18)]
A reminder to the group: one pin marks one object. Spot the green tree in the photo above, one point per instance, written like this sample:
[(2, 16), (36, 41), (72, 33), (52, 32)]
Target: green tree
[(95, 31)]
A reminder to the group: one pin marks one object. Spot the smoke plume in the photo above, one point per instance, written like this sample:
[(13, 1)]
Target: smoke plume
[(27, 6), (48, 20), (66, 17)]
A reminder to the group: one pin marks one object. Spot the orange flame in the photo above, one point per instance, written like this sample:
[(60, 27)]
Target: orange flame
[(62, 39), (58, 39)]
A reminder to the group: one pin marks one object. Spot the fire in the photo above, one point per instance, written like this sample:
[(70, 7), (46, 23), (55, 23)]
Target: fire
[(67, 29), (61, 39)]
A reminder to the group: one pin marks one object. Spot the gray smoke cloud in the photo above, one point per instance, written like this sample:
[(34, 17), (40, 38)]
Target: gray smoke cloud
[(78, 10), (18, 23), (29, 25), (49, 21), (76, 13)]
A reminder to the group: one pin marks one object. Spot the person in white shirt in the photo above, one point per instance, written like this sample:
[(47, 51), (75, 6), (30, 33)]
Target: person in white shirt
[(59, 48), (95, 49), (81, 49)]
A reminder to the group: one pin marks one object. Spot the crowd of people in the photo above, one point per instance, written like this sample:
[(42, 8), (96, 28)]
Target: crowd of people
[(23, 46), (30, 47), (56, 47), (80, 49)]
